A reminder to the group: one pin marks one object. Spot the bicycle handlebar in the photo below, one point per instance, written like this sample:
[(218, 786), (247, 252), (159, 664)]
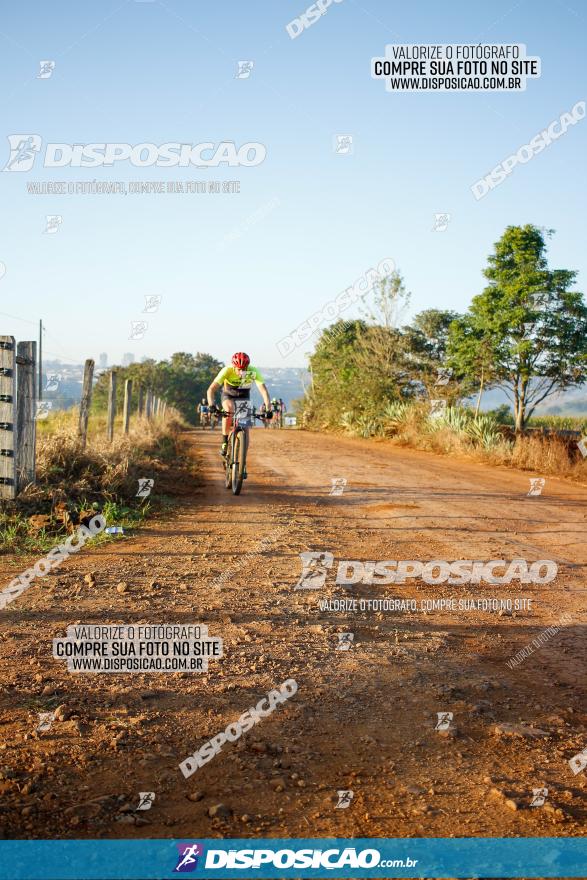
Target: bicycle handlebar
[(224, 414)]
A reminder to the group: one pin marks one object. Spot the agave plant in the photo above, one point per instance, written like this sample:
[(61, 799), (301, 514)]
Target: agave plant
[(368, 426), (396, 412), (484, 431), (454, 417), (347, 421)]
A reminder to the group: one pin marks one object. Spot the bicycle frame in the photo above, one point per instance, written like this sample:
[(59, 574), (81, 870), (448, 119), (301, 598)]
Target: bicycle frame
[(241, 423)]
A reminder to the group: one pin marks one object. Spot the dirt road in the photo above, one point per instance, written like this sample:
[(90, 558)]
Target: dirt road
[(363, 719)]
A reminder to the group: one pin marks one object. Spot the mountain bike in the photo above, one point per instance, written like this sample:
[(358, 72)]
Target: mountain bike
[(235, 460)]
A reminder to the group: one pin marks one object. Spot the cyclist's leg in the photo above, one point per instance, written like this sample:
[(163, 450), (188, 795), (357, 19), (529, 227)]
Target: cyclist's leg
[(227, 406)]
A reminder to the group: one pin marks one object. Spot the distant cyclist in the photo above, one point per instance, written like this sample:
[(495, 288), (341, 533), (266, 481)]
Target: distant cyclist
[(236, 380), (204, 412)]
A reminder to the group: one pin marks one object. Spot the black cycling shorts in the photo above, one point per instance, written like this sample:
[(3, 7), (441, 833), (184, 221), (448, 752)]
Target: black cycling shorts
[(229, 392)]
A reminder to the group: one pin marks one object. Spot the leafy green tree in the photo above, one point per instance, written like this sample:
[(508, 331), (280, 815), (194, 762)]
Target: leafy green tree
[(335, 386), (388, 301), (470, 354), (181, 381), (380, 354), (528, 329), (426, 341)]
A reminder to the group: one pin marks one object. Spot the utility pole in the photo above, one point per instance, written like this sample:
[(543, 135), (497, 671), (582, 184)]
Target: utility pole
[(40, 386)]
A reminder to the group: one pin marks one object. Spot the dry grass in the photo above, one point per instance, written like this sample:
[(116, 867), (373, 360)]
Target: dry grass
[(109, 470), (72, 482), (548, 456), (540, 455), (410, 425)]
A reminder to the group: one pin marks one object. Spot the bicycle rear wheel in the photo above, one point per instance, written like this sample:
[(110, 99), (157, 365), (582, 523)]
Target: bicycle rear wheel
[(239, 461)]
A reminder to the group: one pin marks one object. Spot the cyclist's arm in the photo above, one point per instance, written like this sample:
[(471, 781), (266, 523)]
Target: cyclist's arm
[(264, 394), (212, 392)]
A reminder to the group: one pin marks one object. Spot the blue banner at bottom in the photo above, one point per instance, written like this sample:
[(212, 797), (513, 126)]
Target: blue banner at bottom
[(300, 858)]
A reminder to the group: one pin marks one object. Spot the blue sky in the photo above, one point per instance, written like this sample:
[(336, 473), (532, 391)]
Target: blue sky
[(156, 72)]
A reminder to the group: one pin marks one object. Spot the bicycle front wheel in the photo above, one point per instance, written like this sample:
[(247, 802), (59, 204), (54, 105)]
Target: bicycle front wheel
[(239, 462), (229, 458)]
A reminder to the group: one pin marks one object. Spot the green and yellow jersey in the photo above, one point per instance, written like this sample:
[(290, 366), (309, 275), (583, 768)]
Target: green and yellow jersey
[(238, 378)]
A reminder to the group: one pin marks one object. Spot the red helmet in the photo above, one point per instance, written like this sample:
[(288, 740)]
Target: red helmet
[(240, 360)]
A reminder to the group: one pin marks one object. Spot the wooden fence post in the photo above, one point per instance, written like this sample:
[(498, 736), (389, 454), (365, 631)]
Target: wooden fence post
[(127, 402), (7, 438), (111, 404), (140, 401), (156, 408), (84, 407), (148, 397), (26, 401)]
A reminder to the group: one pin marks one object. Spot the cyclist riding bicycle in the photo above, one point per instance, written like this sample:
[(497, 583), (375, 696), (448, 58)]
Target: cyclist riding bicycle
[(236, 380), (275, 411), (203, 411)]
